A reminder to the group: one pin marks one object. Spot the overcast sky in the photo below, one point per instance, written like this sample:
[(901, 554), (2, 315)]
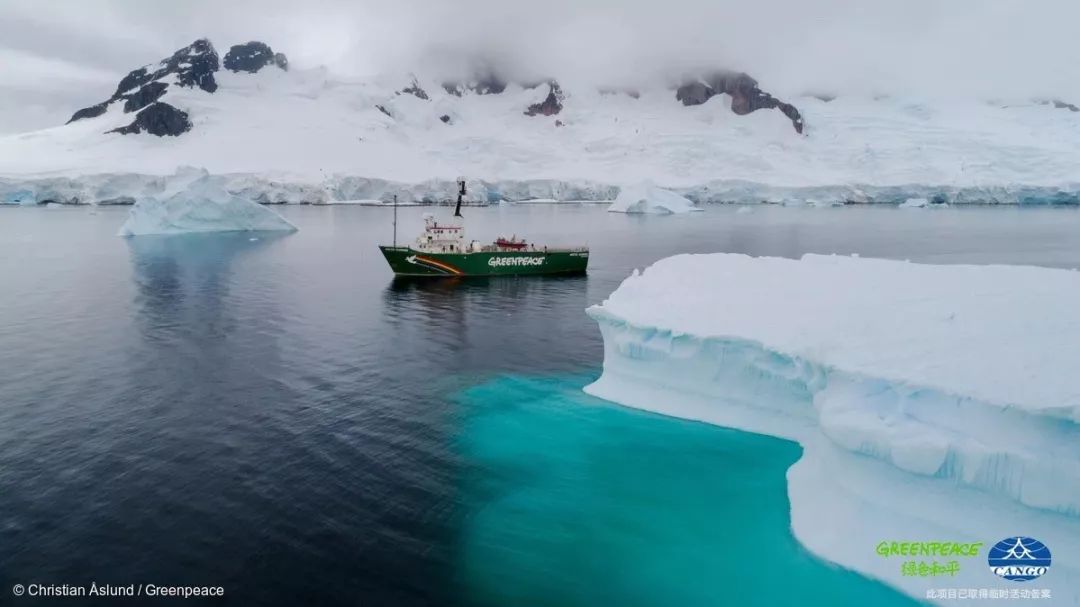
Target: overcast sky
[(59, 55)]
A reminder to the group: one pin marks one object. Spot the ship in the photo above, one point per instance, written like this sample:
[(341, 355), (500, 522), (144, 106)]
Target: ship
[(443, 250)]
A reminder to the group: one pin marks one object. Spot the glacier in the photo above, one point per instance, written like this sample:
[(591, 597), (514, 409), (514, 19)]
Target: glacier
[(197, 204), (932, 402), (120, 188), (313, 136), (649, 199)]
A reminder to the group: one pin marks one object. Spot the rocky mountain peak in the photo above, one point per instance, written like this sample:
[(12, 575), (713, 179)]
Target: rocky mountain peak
[(252, 57), (192, 66), (551, 105), (746, 95)]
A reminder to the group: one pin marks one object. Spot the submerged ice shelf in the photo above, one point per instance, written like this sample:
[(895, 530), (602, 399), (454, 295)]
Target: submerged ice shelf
[(931, 401)]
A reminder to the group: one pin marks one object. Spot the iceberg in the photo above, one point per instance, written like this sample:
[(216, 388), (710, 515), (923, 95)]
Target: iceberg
[(195, 203), (647, 198), (932, 402)]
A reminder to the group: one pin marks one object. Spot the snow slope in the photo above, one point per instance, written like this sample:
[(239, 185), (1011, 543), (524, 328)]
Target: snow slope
[(308, 129), (932, 402)]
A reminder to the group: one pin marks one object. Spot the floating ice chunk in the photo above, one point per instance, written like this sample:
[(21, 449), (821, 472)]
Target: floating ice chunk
[(196, 203), (914, 203), (954, 381), (744, 210), (647, 198)]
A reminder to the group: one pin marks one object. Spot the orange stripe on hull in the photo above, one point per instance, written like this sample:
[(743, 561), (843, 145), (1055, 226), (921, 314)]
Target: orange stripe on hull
[(441, 265)]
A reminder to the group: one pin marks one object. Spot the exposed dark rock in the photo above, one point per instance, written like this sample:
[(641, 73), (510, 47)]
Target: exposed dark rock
[(1059, 104), (134, 80), (89, 112), (484, 83), (158, 119), (694, 93), (745, 94), (558, 123), (445, 118), (252, 57), (384, 110), (194, 65), (791, 112), (414, 89), (823, 97), (551, 105), (146, 95), (739, 85), (489, 84)]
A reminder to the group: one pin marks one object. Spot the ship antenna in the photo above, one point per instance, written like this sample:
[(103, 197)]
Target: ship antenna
[(395, 221), (460, 195)]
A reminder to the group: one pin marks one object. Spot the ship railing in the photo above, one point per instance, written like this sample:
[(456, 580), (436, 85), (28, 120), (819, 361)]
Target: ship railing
[(533, 249)]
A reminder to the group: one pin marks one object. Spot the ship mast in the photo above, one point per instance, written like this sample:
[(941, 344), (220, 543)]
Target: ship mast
[(460, 196)]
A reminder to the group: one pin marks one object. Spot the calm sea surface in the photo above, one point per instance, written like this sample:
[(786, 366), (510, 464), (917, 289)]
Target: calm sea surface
[(276, 415)]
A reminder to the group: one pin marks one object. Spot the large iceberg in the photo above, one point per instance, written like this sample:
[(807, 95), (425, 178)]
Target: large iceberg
[(195, 202), (647, 198), (932, 402)]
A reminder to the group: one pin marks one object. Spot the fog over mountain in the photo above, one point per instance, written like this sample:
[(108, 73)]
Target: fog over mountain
[(56, 57)]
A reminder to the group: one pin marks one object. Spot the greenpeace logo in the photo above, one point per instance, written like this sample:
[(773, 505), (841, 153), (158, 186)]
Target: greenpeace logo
[(515, 261), (1019, 559)]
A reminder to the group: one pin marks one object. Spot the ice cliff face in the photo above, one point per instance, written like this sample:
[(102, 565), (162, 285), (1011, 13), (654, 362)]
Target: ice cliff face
[(929, 394)]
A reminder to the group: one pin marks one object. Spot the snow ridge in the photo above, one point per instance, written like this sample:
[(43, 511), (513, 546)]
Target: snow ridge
[(304, 127)]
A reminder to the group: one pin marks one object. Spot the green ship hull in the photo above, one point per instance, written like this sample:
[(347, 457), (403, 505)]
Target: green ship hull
[(406, 261)]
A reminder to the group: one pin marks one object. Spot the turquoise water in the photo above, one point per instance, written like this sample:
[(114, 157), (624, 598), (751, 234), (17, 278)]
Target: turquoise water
[(577, 501), (278, 416)]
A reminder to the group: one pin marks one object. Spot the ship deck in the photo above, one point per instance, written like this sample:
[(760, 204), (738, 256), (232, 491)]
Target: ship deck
[(490, 249)]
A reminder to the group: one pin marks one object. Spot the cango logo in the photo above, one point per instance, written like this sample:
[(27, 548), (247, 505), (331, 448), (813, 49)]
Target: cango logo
[(1019, 558)]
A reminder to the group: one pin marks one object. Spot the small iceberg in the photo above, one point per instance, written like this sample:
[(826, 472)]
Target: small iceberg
[(914, 203), (924, 203), (649, 199), (199, 205)]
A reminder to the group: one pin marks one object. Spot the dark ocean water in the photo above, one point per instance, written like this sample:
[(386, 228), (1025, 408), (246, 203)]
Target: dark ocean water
[(276, 415)]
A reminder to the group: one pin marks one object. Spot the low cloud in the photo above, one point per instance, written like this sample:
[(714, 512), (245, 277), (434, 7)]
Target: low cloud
[(983, 48)]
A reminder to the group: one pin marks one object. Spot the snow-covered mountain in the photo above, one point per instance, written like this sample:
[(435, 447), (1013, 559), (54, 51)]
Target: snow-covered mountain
[(288, 135)]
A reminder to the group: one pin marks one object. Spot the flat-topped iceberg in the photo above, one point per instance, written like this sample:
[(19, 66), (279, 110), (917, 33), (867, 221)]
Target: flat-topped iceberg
[(647, 198), (197, 203), (931, 401)]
